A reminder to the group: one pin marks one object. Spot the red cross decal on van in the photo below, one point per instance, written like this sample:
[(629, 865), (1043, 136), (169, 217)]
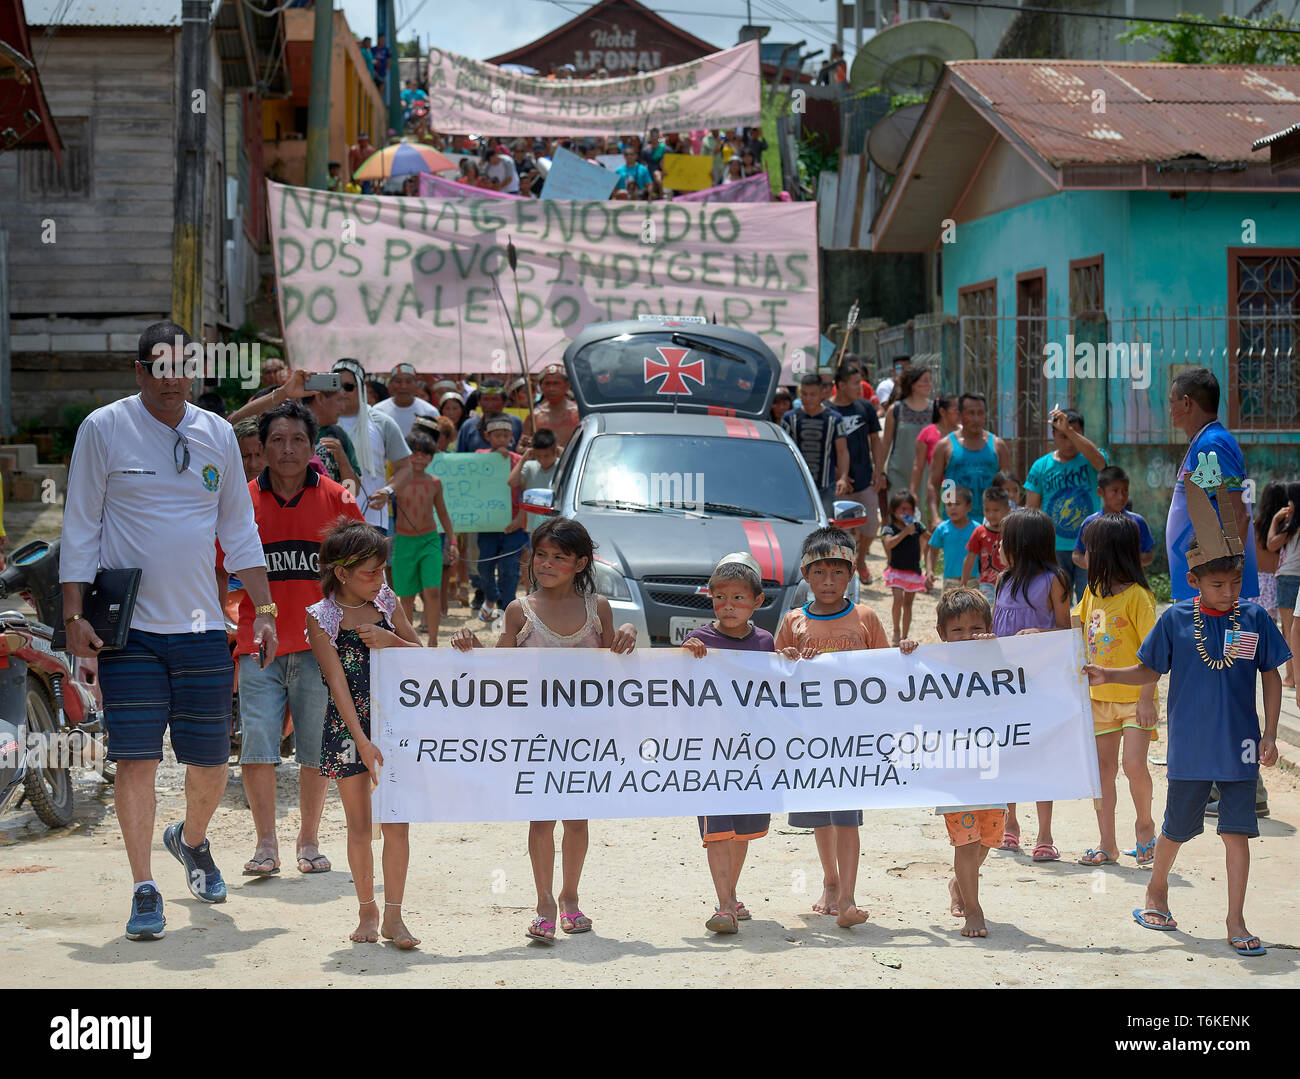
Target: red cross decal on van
[(677, 372)]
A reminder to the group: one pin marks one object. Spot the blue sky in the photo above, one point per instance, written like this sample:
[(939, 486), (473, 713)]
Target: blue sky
[(498, 25)]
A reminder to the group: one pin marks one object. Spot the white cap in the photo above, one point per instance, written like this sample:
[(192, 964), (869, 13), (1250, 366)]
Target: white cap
[(744, 559)]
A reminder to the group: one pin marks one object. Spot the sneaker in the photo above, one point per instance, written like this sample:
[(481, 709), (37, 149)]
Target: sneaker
[(201, 873), (1212, 808), (477, 602), (147, 919)]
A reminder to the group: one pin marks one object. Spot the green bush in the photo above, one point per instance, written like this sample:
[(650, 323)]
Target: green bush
[(65, 436), (1159, 583)]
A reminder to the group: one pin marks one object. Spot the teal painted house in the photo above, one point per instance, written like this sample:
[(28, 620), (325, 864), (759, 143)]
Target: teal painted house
[(1093, 227)]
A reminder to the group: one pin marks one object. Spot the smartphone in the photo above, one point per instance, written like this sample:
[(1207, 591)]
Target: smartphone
[(327, 380), (261, 654)]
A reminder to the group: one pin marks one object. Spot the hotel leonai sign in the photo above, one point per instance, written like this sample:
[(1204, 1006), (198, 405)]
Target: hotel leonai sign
[(622, 36), (615, 50)]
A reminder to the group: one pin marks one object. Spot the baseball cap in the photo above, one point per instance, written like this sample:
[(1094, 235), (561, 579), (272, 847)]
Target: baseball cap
[(500, 148)]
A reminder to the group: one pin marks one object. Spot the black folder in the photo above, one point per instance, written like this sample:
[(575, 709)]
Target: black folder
[(107, 605)]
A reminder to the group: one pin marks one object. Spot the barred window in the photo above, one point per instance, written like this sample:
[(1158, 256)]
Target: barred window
[(40, 177), (1266, 334)]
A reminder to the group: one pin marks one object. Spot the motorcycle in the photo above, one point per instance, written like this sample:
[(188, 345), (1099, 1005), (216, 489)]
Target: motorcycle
[(51, 708)]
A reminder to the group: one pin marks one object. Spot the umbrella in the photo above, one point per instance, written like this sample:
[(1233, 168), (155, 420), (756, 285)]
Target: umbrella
[(401, 160)]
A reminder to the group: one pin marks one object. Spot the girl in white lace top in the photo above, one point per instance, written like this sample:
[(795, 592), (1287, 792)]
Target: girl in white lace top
[(561, 611), (359, 613)]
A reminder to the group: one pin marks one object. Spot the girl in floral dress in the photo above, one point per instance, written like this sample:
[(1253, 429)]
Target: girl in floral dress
[(359, 612), (562, 611)]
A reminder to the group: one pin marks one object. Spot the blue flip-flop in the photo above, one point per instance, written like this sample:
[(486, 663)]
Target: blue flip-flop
[(1090, 853), (1234, 941), (1138, 917)]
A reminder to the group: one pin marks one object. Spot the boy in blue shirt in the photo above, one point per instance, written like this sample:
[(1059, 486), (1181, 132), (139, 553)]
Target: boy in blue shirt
[(951, 535), (1211, 645), (1112, 486)]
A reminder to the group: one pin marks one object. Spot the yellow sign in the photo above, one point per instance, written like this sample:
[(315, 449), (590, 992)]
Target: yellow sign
[(688, 172)]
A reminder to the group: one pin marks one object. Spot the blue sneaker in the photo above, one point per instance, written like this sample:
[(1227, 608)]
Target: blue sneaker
[(201, 873), (147, 919)]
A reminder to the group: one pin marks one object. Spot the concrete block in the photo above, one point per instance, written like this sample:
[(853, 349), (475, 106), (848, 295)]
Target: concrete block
[(79, 342), (30, 342)]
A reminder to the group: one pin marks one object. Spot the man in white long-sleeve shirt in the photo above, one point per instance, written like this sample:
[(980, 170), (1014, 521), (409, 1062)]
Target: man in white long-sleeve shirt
[(154, 483)]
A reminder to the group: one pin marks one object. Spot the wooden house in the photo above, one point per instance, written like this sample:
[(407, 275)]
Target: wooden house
[(91, 240)]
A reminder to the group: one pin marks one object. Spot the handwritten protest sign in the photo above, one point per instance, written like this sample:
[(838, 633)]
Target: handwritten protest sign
[(721, 90), (475, 488), (573, 178), (613, 162), (572, 733), (757, 188), (687, 172), (392, 280)]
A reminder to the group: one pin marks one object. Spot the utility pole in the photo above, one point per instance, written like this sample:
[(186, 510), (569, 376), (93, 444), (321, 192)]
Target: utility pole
[(191, 170), (318, 104)]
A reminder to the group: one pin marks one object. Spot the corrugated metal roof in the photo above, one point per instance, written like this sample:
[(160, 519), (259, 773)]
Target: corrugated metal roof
[(121, 13), (1147, 112)]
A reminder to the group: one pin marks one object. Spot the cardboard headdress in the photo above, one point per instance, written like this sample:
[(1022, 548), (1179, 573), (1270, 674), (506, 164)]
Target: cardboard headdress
[(1215, 538)]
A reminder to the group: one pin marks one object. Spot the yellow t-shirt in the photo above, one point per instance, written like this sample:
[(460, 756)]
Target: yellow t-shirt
[(1114, 628)]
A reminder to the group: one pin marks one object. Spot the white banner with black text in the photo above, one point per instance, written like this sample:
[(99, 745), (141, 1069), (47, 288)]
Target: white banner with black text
[(533, 734)]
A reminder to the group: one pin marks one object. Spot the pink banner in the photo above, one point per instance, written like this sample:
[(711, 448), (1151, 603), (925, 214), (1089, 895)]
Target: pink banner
[(436, 187), (722, 89), (426, 281), (750, 189)]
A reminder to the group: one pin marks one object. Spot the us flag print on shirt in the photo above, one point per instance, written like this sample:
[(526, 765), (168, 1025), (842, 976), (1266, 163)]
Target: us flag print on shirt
[(1240, 645)]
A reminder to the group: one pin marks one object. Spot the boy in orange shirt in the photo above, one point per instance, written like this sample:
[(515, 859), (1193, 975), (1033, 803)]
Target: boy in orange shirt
[(963, 614), (831, 623)]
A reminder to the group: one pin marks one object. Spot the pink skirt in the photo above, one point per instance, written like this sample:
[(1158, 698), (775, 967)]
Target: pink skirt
[(904, 579)]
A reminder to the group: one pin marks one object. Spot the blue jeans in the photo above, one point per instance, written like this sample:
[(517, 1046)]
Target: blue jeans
[(293, 680), (498, 554)]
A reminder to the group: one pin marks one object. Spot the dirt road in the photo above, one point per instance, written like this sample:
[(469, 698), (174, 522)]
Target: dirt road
[(64, 898)]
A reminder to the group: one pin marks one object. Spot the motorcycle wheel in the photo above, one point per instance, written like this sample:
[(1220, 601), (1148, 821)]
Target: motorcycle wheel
[(49, 790)]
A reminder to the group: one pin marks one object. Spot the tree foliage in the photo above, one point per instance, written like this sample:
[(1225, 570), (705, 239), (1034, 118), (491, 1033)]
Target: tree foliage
[(1218, 41)]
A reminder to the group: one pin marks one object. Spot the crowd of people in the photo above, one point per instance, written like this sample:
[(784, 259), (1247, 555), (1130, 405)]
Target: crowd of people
[(329, 527)]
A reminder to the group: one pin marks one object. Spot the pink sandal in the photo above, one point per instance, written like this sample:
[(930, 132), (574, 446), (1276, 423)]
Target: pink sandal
[(572, 918), (537, 930), (1045, 852)]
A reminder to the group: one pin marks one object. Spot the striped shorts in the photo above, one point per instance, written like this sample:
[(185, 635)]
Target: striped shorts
[(185, 680)]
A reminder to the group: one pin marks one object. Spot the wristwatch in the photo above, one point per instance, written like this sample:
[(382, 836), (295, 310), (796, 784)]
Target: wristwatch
[(74, 618), (267, 608)]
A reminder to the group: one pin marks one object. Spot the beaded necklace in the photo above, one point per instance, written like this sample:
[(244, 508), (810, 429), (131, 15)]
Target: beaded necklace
[(1226, 661)]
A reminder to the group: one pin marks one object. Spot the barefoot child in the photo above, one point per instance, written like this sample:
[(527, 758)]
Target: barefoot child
[(831, 623), (951, 536), (1115, 615), (736, 588), (561, 611), (417, 545), (1032, 596), (1212, 646), (342, 628), (963, 614), (904, 540), (984, 548)]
